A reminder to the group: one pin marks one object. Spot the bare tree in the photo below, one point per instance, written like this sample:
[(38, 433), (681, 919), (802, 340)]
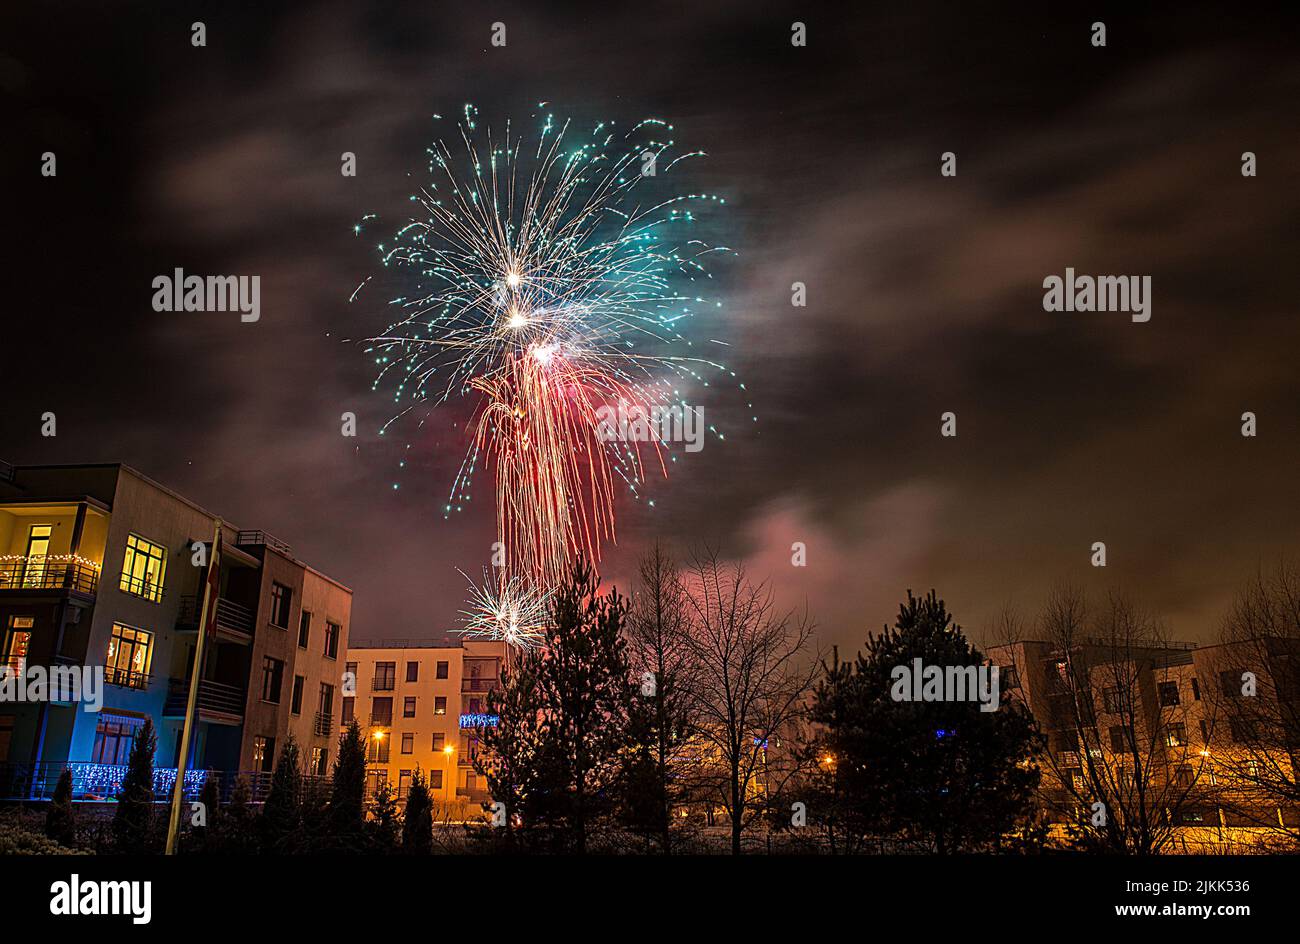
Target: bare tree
[(1255, 686), (750, 676), (1111, 692), (661, 767)]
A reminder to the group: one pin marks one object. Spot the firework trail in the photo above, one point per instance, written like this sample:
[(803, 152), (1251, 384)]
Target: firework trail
[(509, 611), (545, 290)]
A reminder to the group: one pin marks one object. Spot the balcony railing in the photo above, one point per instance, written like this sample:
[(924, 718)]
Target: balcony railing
[(127, 678), (261, 537), (213, 696), (230, 615), (324, 724), (49, 572), (480, 684), (92, 781)]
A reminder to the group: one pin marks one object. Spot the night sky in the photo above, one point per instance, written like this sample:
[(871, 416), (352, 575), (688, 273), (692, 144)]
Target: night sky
[(924, 292)]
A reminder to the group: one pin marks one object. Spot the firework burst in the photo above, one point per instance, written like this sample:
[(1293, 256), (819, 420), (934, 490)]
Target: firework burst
[(546, 288), (508, 610)]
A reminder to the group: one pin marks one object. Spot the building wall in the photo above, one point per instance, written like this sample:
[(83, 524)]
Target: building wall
[(460, 785), (324, 601)]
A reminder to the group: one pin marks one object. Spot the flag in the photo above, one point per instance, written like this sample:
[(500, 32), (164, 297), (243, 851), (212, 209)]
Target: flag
[(213, 584)]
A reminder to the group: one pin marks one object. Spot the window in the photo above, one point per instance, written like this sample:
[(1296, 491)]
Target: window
[(130, 652), (320, 762), (1176, 735), (17, 642), (1008, 677), (1230, 682), (272, 679), (325, 704), (1168, 694), (408, 743), (435, 780), (438, 741), (408, 706), (378, 753), (281, 598), (1205, 733), (1118, 740), (38, 549), (375, 781), (440, 705), (470, 781), (403, 783), (143, 568), (442, 670), (476, 706), (264, 754), (1112, 700), (114, 737), (1196, 689), (1184, 776), (295, 701), (349, 677), (381, 711), (413, 671), (332, 631), (385, 677), (304, 630), (349, 709)]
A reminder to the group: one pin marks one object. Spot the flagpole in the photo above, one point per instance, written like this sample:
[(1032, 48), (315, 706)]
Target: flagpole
[(173, 826)]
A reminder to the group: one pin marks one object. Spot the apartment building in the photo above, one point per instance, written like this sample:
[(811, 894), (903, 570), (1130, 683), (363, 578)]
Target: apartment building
[(1215, 728), (97, 568), (423, 705)]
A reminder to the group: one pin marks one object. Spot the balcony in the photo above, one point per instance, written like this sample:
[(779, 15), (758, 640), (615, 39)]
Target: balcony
[(256, 538), (232, 617), (480, 684), (49, 572), (217, 702), (324, 724), (126, 678)]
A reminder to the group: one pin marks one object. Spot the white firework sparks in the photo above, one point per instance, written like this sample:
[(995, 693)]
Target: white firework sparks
[(508, 610)]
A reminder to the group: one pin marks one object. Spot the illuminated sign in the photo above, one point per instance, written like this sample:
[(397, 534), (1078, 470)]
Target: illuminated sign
[(478, 721)]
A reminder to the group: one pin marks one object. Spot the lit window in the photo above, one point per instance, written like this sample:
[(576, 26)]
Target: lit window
[(440, 705), (264, 754), (319, 762), (114, 737), (144, 568), (17, 642), (129, 657)]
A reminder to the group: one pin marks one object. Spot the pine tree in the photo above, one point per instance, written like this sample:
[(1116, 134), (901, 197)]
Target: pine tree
[(60, 820), (347, 806), (941, 774), (582, 686), (512, 749), (237, 827), (384, 829), (133, 821), (282, 812), (417, 822)]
